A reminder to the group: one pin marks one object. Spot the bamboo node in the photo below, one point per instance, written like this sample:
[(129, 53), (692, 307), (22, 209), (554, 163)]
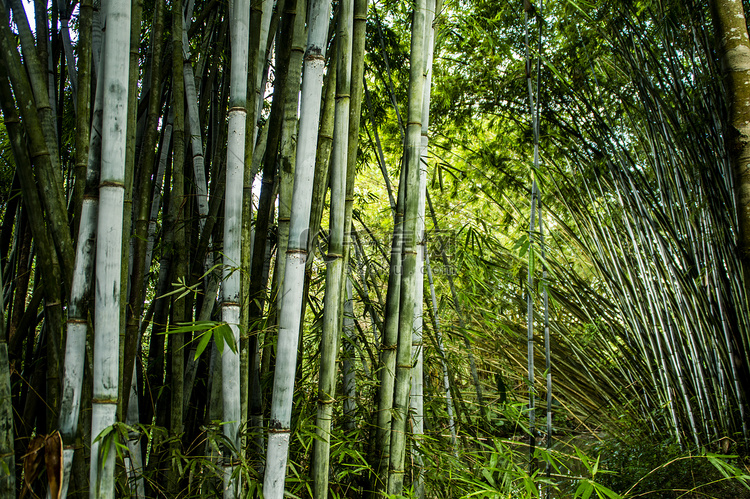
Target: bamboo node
[(43, 152), (96, 400), (279, 430), (77, 321), (315, 55), (413, 123), (388, 347), (110, 183)]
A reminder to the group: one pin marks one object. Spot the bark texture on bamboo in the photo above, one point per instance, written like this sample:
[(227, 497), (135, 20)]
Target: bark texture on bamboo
[(109, 243), (732, 34), (731, 30)]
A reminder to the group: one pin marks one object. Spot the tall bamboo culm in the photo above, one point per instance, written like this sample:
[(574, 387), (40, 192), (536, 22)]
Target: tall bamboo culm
[(535, 205), (359, 32), (333, 302), (230, 303), (296, 255), (387, 361), (416, 401), (177, 214), (78, 307), (409, 252), (115, 65)]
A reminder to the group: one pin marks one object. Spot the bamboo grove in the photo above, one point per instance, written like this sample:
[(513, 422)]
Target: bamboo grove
[(261, 248)]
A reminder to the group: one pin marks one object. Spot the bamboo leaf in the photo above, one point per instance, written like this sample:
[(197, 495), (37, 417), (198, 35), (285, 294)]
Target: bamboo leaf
[(205, 338), (601, 489), (225, 332)]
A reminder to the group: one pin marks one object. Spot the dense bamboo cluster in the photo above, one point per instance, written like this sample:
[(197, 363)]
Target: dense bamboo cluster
[(206, 291)]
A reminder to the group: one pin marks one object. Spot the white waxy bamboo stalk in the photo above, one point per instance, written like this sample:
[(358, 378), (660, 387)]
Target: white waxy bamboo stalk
[(77, 325), (296, 255), (289, 138), (230, 305), (115, 64), (417, 378)]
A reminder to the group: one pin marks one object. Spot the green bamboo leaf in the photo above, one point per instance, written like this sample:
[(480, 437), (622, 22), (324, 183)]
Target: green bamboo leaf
[(205, 338), (225, 332), (530, 486), (589, 490), (575, 5), (188, 327), (601, 489)]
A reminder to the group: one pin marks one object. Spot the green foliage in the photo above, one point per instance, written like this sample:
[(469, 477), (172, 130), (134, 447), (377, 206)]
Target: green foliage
[(642, 466), (219, 331)]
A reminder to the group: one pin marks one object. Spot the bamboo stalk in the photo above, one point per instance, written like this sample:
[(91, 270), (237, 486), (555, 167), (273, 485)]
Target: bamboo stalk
[(143, 204), (413, 150), (287, 155), (115, 67), (230, 304), (332, 308), (177, 213), (296, 256), (417, 379), (83, 105)]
